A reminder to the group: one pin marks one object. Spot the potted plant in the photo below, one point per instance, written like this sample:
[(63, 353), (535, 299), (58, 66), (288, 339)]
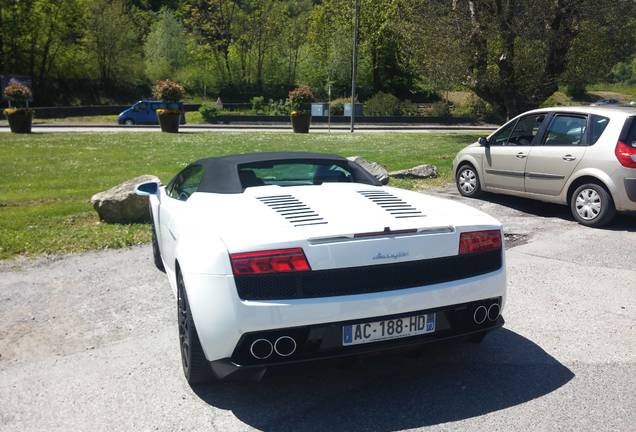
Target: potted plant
[(170, 93), (298, 98), (19, 117)]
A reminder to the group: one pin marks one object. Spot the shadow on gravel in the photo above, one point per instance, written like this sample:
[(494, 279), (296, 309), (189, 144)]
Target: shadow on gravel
[(623, 222), (441, 383)]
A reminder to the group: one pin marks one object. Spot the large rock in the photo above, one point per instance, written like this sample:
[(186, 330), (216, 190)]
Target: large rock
[(121, 205), (420, 172), (375, 169)]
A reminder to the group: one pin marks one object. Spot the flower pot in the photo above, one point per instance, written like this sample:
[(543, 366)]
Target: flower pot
[(301, 122), (169, 121), (19, 119)]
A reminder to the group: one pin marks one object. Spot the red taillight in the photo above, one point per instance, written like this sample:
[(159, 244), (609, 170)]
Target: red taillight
[(479, 241), (271, 261), (625, 154)]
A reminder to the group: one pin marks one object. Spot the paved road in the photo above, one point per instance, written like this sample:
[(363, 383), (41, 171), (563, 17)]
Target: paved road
[(89, 342), (48, 128)]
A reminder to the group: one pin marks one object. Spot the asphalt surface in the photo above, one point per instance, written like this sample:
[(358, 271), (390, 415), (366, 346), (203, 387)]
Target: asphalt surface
[(321, 128), (89, 342)]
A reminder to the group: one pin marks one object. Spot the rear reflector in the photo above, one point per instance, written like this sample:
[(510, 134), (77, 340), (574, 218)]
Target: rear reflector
[(626, 154), (272, 261), (479, 241)]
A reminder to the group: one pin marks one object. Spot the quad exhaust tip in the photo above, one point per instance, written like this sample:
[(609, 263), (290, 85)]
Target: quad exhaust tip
[(480, 314), (285, 346), (493, 312), (261, 349)]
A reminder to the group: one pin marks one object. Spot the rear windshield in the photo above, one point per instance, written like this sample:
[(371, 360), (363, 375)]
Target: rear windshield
[(293, 174)]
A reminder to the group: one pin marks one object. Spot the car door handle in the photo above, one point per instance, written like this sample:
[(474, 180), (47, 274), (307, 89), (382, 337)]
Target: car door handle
[(521, 155), (568, 157)]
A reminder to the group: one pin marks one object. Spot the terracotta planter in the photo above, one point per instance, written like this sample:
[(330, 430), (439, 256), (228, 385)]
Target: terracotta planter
[(20, 120), (169, 121), (301, 122)]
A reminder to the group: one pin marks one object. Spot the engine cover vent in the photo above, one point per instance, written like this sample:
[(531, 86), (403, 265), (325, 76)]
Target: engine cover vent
[(397, 207), (293, 210)]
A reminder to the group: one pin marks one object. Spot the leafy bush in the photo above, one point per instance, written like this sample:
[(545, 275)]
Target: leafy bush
[(279, 107), (337, 105), (621, 72), (299, 96), (168, 91), (209, 111), (382, 104), (481, 110), (440, 109), (17, 91), (258, 103), (408, 108)]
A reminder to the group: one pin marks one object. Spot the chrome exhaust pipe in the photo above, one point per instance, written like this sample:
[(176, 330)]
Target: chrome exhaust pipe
[(480, 314), (285, 346), (261, 349), (493, 312)]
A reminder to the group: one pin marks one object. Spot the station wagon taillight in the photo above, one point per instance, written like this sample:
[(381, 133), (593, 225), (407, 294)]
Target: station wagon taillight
[(479, 241), (271, 261), (626, 154)]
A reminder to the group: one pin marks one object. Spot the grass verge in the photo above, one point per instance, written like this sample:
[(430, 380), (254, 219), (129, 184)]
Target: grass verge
[(47, 179)]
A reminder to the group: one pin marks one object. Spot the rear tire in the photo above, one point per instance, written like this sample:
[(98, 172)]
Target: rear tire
[(592, 205), (467, 181), (195, 366)]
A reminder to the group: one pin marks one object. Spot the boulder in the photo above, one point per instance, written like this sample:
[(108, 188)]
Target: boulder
[(420, 172), (120, 204), (375, 169)]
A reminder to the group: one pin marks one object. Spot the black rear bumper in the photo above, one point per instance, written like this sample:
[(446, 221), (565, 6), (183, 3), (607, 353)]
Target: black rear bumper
[(324, 341)]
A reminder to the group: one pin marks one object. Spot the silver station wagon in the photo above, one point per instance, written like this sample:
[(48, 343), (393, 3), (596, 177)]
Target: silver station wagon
[(583, 157)]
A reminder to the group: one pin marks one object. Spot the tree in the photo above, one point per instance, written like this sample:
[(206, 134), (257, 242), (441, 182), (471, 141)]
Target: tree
[(504, 79), (33, 34), (212, 22), (113, 40), (165, 49), (514, 53)]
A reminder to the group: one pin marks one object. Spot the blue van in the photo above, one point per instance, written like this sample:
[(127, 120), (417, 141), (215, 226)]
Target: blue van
[(143, 112)]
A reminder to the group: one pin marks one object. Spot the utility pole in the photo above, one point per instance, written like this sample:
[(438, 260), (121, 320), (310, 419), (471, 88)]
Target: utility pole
[(329, 107), (354, 55)]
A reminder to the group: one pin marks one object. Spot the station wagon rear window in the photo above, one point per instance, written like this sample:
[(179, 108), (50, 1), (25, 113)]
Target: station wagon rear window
[(598, 125)]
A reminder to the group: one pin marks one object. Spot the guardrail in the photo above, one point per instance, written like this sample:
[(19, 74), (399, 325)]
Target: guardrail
[(93, 110), (227, 118)]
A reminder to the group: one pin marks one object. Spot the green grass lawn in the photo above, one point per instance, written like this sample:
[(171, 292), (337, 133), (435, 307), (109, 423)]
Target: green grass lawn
[(47, 179)]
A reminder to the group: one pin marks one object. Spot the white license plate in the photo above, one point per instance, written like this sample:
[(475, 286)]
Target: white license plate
[(395, 328)]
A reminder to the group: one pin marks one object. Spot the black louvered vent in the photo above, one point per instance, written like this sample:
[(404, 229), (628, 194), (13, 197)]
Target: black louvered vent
[(397, 207), (295, 211)]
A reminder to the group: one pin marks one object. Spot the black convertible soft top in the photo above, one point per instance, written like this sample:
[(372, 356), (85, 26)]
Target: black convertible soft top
[(221, 174)]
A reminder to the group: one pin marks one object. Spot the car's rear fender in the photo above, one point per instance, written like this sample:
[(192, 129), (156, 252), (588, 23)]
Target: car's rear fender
[(221, 317), (585, 175)]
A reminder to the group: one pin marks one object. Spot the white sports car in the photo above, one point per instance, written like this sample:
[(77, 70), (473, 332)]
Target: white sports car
[(285, 257)]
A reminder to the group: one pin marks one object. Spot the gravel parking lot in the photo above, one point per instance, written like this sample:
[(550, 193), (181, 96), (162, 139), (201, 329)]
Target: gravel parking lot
[(89, 342)]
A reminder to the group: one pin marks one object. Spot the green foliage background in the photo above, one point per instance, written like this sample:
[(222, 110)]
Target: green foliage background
[(101, 51)]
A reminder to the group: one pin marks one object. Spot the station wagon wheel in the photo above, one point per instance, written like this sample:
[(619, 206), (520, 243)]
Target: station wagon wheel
[(195, 365), (129, 122), (467, 181), (592, 205)]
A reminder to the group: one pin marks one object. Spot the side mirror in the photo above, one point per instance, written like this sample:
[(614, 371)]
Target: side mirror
[(147, 189), (483, 141)]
